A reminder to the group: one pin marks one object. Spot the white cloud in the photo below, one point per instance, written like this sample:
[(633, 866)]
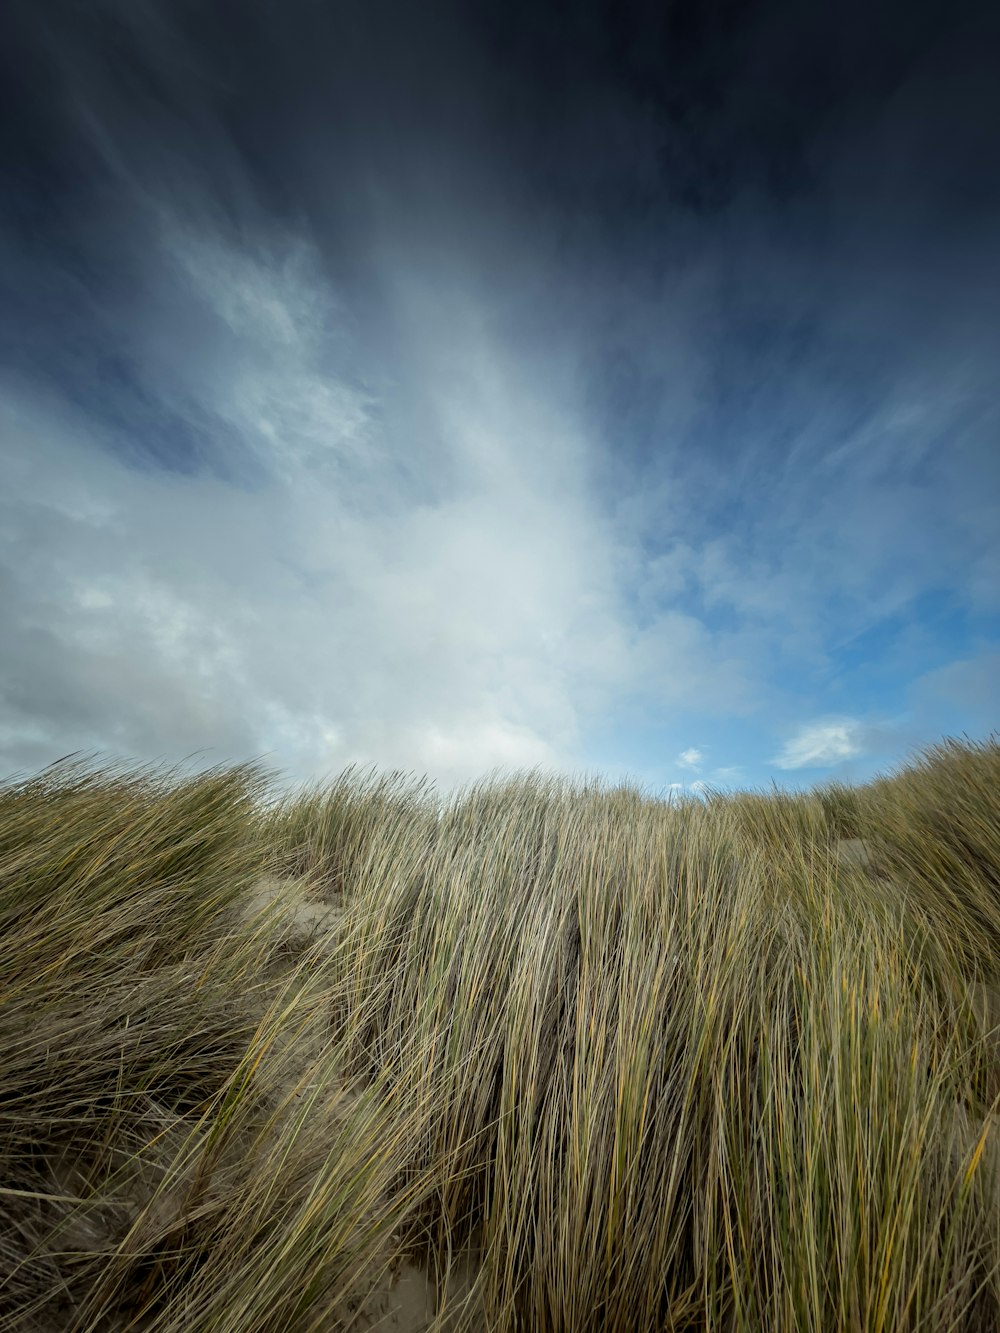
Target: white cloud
[(334, 609), (821, 744), (405, 556)]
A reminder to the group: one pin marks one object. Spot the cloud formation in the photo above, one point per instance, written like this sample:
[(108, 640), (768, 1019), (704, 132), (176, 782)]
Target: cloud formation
[(821, 744), (310, 600), (406, 395)]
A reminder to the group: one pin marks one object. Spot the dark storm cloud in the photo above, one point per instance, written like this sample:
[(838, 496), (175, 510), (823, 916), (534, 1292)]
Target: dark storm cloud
[(625, 140)]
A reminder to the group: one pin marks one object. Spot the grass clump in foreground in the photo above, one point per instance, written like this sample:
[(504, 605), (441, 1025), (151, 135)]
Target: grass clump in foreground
[(548, 1056)]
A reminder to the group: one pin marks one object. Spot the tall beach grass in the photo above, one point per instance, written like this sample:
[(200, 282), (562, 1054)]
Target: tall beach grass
[(621, 1064)]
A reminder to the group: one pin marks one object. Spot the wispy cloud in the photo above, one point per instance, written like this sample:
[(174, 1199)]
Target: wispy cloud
[(315, 601), (691, 758), (822, 744)]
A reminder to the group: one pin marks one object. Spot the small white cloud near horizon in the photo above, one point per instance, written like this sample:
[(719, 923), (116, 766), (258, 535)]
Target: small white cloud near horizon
[(821, 744), (690, 758), (676, 791)]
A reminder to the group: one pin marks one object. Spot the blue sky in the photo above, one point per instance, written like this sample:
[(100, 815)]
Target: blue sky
[(457, 387)]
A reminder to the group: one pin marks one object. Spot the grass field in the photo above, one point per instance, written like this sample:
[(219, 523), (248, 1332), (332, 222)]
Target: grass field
[(545, 1057)]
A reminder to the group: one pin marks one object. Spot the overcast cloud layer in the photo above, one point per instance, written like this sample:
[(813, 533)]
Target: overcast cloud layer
[(448, 387)]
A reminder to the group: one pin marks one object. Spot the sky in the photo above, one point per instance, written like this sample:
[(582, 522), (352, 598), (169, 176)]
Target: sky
[(464, 387)]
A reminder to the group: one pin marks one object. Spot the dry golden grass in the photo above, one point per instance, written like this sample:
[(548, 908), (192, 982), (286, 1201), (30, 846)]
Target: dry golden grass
[(553, 1057)]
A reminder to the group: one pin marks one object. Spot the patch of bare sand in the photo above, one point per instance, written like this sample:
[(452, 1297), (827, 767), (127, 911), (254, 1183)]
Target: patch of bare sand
[(853, 852), (404, 1299), (299, 911)]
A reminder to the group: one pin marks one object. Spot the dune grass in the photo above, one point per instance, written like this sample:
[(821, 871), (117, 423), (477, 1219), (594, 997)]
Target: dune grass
[(730, 1064)]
